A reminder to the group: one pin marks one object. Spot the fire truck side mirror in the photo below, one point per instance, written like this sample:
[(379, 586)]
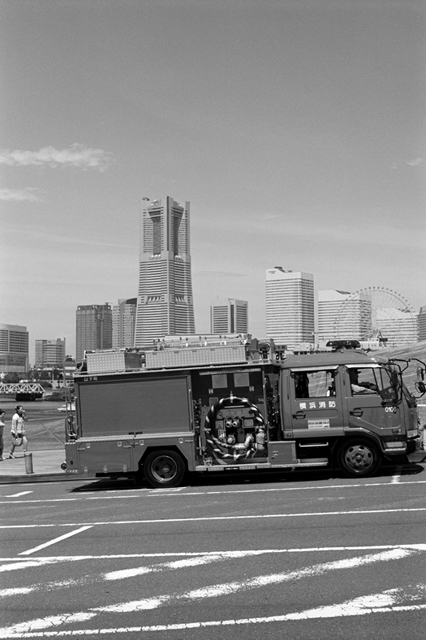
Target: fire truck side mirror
[(421, 386)]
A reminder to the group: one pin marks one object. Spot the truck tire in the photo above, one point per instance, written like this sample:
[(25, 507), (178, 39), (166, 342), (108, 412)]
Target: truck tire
[(358, 458), (164, 468)]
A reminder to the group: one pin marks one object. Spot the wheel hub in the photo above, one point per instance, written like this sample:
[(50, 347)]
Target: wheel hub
[(359, 458)]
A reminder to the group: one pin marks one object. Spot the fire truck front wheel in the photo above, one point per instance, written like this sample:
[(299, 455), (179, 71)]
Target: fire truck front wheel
[(164, 468), (358, 458)]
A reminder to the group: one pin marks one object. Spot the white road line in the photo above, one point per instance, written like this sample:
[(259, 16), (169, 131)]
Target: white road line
[(225, 589), (176, 564), (191, 554), (112, 632), (150, 493), (190, 560), (163, 521), (17, 495), (18, 591), (48, 544), (14, 565), (49, 622), (396, 479)]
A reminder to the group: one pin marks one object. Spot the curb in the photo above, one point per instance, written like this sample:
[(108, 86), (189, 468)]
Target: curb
[(35, 477), (43, 477)]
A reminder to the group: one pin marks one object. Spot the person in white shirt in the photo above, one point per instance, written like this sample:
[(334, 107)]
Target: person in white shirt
[(18, 430)]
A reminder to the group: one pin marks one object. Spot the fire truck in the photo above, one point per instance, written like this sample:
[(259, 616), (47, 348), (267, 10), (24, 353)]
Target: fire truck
[(237, 405)]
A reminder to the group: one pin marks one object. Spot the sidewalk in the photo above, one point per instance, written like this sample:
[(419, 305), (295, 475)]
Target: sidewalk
[(46, 466)]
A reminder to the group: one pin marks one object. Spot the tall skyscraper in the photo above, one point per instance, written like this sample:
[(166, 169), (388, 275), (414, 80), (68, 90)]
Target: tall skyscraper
[(50, 353), (289, 307), (14, 348), (93, 328), (342, 315), (228, 315), (422, 323), (165, 302), (123, 323)]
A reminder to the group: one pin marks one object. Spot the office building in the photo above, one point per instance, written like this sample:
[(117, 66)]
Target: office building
[(398, 327), (228, 315), (289, 307), (50, 353), (14, 349), (123, 323), (422, 323), (93, 328), (165, 302), (342, 315)]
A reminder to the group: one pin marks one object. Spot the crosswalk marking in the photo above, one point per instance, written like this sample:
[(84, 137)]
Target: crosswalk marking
[(390, 601)]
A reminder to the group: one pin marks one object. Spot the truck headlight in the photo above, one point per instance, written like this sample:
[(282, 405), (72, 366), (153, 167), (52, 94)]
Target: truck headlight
[(395, 445), (412, 433)]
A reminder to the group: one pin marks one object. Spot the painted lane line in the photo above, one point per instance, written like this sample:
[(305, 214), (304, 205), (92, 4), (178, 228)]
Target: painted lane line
[(190, 560), (396, 479), (213, 591), (149, 493), (188, 554), (176, 564), (313, 514), (230, 554), (111, 632), (25, 564), (225, 589), (54, 541), (18, 591), (17, 495), (48, 586)]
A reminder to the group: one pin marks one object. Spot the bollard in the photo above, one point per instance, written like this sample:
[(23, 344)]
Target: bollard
[(28, 462)]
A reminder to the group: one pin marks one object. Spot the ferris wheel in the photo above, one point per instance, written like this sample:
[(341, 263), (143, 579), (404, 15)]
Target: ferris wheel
[(377, 313)]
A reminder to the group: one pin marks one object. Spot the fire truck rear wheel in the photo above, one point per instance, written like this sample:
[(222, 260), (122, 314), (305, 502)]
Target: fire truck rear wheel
[(164, 469), (358, 458)]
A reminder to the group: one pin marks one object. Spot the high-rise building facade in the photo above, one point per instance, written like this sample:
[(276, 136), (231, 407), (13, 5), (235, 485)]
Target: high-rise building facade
[(342, 315), (422, 323), (93, 328), (228, 315), (123, 323), (290, 304), (165, 302), (14, 348), (398, 327), (50, 353)]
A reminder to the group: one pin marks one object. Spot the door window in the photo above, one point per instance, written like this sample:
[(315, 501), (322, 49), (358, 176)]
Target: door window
[(314, 384), (371, 381)]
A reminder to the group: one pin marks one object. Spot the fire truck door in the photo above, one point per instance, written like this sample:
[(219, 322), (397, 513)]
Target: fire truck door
[(369, 397), (316, 402)]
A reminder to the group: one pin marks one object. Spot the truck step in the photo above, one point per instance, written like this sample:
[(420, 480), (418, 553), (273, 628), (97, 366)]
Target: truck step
[(312, 462)]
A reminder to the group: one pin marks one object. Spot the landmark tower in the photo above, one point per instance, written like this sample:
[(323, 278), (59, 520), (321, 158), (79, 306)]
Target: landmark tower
[(165, 303)]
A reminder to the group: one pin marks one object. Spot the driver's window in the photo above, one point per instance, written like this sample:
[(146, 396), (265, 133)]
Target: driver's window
[(367, 381), (314, 384)]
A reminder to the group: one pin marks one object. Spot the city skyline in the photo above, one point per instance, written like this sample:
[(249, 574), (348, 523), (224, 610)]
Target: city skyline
[(291, 307), (296, 130)]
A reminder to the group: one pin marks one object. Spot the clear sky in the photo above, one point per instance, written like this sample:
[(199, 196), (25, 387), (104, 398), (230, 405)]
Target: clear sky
[(296, 129)]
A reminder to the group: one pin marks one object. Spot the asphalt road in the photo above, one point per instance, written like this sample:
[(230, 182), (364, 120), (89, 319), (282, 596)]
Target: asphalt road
[(313, 558)]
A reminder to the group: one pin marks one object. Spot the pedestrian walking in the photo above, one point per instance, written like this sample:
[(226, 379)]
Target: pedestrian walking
[(2, 426), (18, 430)]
